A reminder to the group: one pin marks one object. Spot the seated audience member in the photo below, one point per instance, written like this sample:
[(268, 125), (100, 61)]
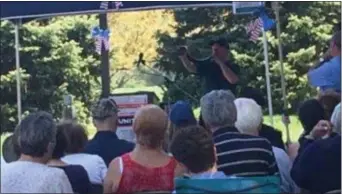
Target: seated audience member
[(10, 150), (193, 147), (326, 74), (271, 134), (309, 114), (249, 121), (76, 137), (36, 139), (147, 167), (238, 154), (180, 115), (318, 167), (106, 143), (77, 175)]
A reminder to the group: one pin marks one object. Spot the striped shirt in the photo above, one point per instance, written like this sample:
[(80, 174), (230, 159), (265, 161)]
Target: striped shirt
[(243, 155)]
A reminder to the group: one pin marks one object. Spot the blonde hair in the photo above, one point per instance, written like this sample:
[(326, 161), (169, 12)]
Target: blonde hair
[(150, 125)]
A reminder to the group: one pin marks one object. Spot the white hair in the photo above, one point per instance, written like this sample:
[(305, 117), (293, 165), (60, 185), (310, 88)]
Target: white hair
[(336, 119), (249, 115)]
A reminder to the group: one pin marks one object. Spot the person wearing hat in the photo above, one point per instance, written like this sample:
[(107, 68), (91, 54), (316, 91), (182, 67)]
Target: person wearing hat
[(181, 114), (106, 143), (218, 72)]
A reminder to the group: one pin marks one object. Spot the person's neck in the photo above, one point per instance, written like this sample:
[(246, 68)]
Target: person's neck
[(105, 127), (144, 151), (213, 129), (56, 162), (210, 170), (40, 160), (253, 133)]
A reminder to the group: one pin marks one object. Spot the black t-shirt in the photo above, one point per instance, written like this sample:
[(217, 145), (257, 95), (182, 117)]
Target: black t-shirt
[(213, 77), (78, 178)]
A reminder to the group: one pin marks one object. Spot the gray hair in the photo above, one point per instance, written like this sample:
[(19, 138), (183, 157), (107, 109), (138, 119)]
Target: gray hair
[(249, 115), (336, 119), (35, 132), (218, 108)]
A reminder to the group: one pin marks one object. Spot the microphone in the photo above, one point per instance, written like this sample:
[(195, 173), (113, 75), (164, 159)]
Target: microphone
[(140, 60)]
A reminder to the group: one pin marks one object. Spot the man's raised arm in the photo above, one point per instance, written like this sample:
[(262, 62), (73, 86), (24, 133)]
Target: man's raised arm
[(183, 56)]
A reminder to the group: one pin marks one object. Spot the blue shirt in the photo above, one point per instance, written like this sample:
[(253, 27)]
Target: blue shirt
[(327, 76), (108, 146)]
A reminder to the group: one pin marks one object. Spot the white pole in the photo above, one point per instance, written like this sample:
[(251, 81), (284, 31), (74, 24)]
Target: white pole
[(283, 82), (17, 64), (267, 74)]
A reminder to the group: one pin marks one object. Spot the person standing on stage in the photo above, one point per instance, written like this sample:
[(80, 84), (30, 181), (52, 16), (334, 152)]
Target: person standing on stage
[(218, 71)]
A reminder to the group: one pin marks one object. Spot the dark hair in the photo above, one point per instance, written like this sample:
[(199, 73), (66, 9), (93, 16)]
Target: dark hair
[(75, 135), (61, 143), (329, 102), (10, 149), (34, 133), (310, 113), (194, 147)]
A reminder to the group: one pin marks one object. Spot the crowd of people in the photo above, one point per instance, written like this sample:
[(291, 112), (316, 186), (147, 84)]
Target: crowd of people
[(228, 142), (43, 156)]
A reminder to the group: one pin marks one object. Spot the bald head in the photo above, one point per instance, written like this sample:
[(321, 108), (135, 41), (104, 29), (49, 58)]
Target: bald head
[(150, 124)]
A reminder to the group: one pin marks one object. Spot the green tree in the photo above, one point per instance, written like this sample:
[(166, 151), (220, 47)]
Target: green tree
[(306, 29), (57, 58)]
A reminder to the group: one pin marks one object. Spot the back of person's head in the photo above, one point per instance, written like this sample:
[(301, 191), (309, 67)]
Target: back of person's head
[(255, 94), (181, 114), (105, 111), (150, 125), (329, 100), (310, 113), (249, 116), (61, 143), (336, 119), (194, 148), (36, 134), (10, 149), (75, 136), (218, 109)]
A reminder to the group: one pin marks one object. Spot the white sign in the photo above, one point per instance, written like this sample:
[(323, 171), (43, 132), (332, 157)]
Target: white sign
[(128, 106), (246, 7)]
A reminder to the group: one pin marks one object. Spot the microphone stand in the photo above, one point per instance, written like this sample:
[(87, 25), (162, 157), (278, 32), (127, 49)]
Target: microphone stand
[(160, 74)]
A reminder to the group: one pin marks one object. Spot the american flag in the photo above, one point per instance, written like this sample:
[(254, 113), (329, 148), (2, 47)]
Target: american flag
[(105, 4), (254, 28), (98, 44)]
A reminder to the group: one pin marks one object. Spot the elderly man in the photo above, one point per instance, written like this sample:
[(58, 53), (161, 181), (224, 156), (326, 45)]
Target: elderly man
[(238, 154), (327, 73), (249, 121), (106, 143), (318, 167)]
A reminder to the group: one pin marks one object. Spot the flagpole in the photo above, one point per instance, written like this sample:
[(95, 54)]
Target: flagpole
[(17, 65), (267, 75)]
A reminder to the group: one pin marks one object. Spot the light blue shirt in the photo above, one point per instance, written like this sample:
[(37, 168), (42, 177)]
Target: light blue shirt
[(328, 75)]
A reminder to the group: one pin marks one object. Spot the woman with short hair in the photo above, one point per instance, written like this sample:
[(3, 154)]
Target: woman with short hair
[(147, 167), (77, 175), (76, 138), (36, 138)]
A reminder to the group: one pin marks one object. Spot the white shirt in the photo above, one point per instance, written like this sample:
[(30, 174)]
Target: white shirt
[(3, 162), (93, 164), (31, 177), (285, 164)]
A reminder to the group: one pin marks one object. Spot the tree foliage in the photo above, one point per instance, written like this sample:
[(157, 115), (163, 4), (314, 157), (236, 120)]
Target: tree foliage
[(57, 58), (306, 29)]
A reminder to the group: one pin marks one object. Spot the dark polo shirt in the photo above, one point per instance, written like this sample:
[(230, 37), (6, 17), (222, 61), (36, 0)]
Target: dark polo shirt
[(213, 77), (108, 146), (243, 155)]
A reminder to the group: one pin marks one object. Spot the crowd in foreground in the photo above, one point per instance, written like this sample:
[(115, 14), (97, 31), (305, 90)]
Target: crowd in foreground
[(43, 156)]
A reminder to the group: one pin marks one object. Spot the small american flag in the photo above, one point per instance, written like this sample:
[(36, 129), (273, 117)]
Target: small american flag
[(254, 28), (104, 5), (98, 44)]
